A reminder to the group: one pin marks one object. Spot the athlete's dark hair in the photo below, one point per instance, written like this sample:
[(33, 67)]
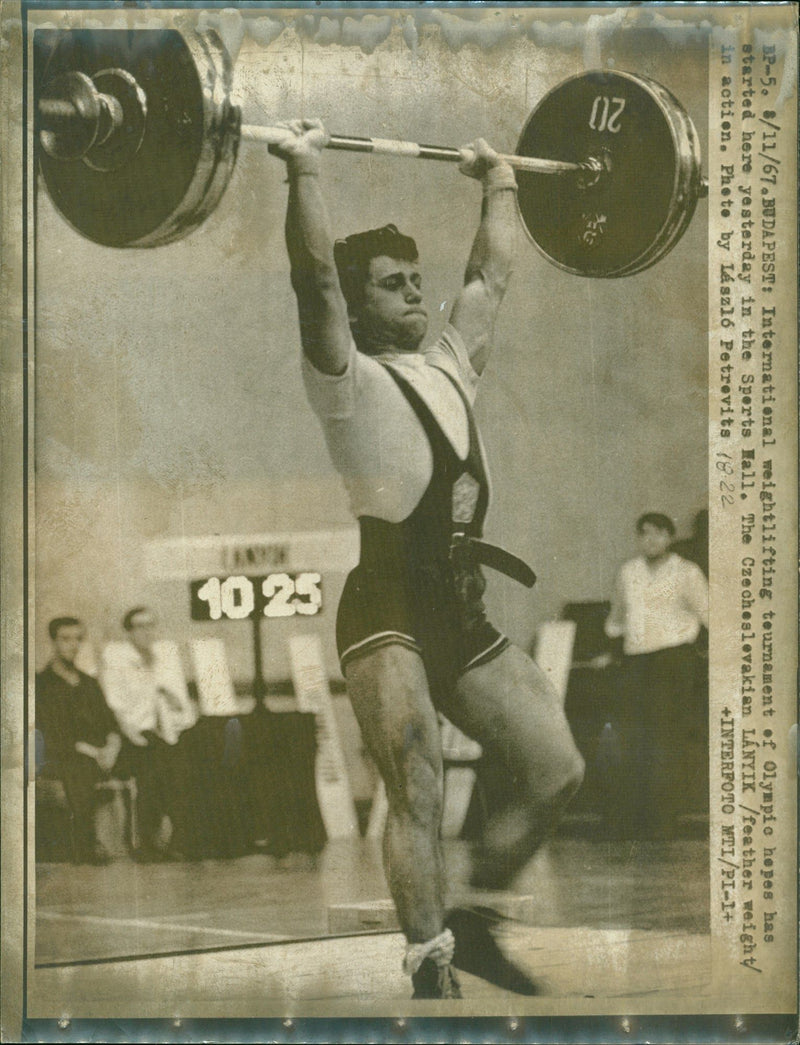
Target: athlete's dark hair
[(353, 255), (127, 620), (57, 623), (657, 519)]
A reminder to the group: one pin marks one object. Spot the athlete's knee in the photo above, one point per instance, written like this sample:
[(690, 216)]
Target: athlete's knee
[(574, 773), (552, 776)]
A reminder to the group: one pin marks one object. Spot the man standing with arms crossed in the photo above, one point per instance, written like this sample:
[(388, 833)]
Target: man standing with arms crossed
[(412, 631)]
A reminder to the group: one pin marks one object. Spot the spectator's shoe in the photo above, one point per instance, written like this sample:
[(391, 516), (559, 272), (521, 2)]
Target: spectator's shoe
[(435, 981), (478, 953), (173, 855), (97, 855), (148, 854)]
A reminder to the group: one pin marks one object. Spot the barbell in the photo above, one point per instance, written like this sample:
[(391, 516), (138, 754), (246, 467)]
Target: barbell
[(138, 137)]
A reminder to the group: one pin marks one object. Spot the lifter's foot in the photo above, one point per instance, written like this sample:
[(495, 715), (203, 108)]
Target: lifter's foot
[(478, 953), (435, 981)]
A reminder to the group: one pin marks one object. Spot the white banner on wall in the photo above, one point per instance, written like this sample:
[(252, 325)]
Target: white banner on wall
[(183, 558), (314, 695)]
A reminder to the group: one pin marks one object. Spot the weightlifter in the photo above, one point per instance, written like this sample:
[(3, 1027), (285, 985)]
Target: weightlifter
[(412, 631)]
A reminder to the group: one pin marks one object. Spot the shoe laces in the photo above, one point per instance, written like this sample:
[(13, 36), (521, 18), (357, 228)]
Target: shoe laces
[(441, 949)]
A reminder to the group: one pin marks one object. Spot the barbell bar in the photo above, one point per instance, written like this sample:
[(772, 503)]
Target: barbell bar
[(138, 140), (415, 151)]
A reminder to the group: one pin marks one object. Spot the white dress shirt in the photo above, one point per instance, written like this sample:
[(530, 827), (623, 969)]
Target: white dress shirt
[(657, 607), (147, 697)]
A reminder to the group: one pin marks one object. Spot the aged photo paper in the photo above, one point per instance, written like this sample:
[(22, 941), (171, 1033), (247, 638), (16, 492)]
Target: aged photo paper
[(163, 473)]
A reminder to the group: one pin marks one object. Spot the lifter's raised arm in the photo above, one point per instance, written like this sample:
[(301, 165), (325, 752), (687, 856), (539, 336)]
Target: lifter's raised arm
[(324, 325), (490, 261)]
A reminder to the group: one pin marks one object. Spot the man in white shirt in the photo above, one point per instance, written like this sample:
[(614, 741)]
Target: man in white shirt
[(412, 630), (146, 689), (660, 604)]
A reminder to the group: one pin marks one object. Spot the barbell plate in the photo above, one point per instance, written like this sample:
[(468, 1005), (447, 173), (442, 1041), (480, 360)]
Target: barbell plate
[(634, 213), (175, 178)]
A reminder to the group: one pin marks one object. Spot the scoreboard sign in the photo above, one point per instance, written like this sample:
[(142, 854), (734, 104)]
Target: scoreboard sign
[(240, 597), (253, 576), (255, 555)]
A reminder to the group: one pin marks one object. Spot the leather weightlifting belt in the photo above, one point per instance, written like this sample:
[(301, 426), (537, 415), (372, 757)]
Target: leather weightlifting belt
[(494, 557)]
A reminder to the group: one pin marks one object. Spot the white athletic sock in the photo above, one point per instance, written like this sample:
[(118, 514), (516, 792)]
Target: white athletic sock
[(441, 948)]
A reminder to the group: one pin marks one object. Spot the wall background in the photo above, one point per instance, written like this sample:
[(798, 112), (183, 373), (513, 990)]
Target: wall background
[(167, 389)]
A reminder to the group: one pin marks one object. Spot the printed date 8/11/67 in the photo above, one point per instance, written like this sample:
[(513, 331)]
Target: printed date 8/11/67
[(240, 598)]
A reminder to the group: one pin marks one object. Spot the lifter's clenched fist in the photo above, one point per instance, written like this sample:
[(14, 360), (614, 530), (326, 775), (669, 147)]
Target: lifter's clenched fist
[(302, 144), (479, 158)]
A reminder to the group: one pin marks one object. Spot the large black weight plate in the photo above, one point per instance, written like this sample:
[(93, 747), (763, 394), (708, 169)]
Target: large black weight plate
[(177, 175), (637, 209)]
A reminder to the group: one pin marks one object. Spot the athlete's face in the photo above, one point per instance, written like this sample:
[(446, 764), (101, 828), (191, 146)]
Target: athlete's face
[(392, 313)]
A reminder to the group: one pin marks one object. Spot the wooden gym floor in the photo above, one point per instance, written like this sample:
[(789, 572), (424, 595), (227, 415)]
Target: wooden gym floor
[(616, 927)]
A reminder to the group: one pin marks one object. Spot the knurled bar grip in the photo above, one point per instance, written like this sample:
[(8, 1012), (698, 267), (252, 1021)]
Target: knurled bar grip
[(411, 150)]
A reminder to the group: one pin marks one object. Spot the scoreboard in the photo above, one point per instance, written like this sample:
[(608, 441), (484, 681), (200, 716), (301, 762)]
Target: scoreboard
[(253, 577), (240, 597)]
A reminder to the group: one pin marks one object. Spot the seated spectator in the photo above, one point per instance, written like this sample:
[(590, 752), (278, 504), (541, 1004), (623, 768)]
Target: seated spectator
[(79, 740), (146, 689)]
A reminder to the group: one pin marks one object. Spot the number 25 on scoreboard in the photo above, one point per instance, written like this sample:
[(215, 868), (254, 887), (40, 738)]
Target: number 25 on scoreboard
[(237, 598)]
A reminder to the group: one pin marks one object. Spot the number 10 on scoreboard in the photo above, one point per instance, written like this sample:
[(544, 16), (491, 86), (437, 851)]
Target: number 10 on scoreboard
[(242, 598)]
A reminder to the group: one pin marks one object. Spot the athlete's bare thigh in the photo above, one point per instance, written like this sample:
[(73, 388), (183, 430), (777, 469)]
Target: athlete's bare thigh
[(510, 707), (388, 689)]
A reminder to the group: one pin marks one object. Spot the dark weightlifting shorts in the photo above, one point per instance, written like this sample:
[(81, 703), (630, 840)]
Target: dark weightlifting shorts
[(376, 611)]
